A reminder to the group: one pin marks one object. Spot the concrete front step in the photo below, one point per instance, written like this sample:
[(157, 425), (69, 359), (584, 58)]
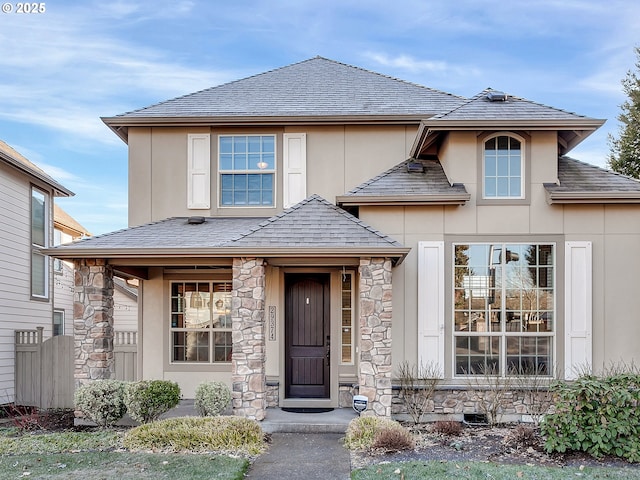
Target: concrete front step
[(279, 421)]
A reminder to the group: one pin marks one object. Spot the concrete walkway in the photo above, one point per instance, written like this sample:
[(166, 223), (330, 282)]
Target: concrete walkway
[(307, 456)]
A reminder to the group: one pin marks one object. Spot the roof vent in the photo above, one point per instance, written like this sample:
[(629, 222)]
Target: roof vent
[(495, 96), (415, 167), (195, 220)]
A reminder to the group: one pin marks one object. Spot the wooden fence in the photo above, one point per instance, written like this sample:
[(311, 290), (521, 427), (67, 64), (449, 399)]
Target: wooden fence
[(44, 369)]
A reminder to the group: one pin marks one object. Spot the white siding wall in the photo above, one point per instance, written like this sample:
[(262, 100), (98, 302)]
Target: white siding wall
[(125, 312), (17, 310)]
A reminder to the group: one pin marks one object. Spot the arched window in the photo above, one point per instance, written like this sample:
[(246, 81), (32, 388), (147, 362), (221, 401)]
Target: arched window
[(503, 167)]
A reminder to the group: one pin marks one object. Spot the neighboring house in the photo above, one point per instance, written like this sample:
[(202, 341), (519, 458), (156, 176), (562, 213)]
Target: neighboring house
[(65, 230), (26, 280), (305, 230)]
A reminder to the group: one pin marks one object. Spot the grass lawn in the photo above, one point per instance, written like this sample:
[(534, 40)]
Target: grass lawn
[(98, 455), (480, 470)]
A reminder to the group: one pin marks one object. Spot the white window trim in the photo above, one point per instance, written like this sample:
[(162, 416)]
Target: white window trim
[(35, 247), (353, 318), (62, 312), (503, 335), (522, 166), (231, 172)]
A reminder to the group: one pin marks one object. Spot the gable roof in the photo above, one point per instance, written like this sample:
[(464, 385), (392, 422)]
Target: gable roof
[(63, 221), (493, 110), (313, 227), (580, 182), (399, 186), (18, 161), (317, 89)]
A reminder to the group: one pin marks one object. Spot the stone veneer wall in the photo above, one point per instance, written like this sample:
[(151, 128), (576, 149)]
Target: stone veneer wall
[(93, 320), (249, 388), (375, 334)]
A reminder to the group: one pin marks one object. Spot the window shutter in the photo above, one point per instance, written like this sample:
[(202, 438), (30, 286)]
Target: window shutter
[(431, 304), (199, 171), (295, 168), (577, 309)]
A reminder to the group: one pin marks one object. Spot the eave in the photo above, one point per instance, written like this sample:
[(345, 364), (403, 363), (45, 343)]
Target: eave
[(120, 125), (58, 189), (68, 253), (403, 200), (593, 197)]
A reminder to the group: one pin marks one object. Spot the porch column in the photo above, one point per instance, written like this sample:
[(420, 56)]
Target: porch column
[(249, 388), (93, 320), (375, 331)]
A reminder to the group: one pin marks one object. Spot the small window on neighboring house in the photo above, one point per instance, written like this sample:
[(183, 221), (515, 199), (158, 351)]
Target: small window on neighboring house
[(503, 168), (58, 322), (247, 170), (39, 239), (201, 322)]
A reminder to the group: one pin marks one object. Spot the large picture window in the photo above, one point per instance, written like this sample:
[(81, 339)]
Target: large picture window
[(504, 309), (39, 239), (201, 322), (247, 170), (503, 165)]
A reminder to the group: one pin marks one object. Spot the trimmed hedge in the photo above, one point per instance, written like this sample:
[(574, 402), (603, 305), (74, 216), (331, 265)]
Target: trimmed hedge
[(146, 400), (212, 398), (101, 401)]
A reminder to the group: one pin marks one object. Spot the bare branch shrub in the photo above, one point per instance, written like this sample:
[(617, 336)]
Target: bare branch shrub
[(534, 384), (417, 384), (450, 428), (491, 391)]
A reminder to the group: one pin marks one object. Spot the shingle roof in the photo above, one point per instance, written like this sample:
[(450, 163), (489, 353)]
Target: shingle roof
[(65, 220), (398, 185), (314, 222), (583, 182), (14, 158), (480, 107), (314, 87), (312, 225)]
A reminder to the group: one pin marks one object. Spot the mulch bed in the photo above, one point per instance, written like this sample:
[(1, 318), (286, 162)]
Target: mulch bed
[(507, 444)]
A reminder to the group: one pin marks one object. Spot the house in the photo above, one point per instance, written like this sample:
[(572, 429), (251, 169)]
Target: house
[(300, 233), (26, 279), (65, 229)]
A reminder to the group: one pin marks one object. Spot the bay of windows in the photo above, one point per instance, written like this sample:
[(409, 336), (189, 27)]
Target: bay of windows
[(201, 322), (504, 308), (247, 170)]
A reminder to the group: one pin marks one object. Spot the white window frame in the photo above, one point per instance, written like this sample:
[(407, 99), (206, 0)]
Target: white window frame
[(351, 361), (522, 167), (178, 309), (53, 322), (35, 247), (270, 171), (503, 335)]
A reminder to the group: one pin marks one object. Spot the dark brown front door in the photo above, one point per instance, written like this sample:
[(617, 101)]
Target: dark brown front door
[(307, 338)]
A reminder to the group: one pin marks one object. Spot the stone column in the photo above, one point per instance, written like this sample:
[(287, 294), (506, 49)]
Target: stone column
[(375, 334), (93, 320), (249, 388)]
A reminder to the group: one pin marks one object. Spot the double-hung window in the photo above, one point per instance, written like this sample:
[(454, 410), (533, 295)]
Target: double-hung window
[(503, 168), (247, 170), (201, 322), (504, 309), (39, 239)]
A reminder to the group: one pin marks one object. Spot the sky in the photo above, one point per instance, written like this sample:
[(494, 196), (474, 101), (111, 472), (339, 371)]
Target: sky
[(65, 67)]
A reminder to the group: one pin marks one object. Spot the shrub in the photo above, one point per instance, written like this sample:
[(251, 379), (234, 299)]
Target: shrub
[(212, 398), (146, 400), (417, 385), (393, 439), (101, 401), (596, 415), (523, 436), (362, 431), (450, 428), (195, 434)]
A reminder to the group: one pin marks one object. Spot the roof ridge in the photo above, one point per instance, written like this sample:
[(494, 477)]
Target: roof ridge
[(317, 57), (467, 102), (379, 176)]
